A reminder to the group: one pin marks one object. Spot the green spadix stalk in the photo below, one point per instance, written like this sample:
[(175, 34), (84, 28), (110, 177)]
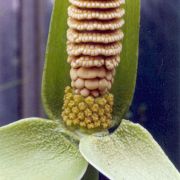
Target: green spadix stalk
[(41, 149)]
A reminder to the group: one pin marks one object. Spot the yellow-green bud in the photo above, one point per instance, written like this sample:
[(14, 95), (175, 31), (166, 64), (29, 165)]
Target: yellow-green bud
[(89, 100), (82, 106), (95, 108)]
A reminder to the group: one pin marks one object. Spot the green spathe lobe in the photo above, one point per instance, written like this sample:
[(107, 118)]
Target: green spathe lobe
[(130, 153), (126, 72), (37, 149), (56, 69)]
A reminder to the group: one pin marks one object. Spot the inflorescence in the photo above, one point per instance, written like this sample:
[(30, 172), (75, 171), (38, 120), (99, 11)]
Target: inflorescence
[(93, 45)]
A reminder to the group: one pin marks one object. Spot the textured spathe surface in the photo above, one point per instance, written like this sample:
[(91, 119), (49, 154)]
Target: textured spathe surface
[(130, 153), (37, 149)]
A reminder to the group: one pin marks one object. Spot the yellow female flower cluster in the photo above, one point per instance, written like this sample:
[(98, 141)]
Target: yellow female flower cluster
[(87, 112)]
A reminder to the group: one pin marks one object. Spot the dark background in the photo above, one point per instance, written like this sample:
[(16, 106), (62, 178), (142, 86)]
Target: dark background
[(23, 34)]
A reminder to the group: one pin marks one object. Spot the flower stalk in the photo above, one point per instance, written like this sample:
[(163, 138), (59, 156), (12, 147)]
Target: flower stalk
[(93, 45)]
